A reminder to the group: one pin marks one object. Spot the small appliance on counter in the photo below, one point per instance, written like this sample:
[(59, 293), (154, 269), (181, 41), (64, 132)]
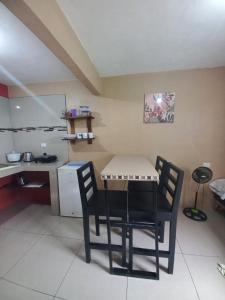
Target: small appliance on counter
[(46, 158), (28, 157), (13, 157)]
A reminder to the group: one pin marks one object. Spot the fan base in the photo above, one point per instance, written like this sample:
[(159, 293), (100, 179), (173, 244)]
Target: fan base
[(195, 214)]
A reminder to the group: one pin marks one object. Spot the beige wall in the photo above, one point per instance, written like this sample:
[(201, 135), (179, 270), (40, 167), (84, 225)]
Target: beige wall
[(196, 136)]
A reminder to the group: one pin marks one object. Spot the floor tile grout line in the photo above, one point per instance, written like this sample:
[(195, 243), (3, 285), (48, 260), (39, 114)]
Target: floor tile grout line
[(26, 252), (189, 271), (42, 234), (127, 289), (27, 288), (59, 298), (179, 246), (64, 277), (69, 268), (201, 255), (32, 289), (191, 277), (20, 231), (193, 254)]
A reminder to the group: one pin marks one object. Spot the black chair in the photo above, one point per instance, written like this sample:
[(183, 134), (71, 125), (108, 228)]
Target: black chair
[(168, 198), (93, 204), (148, 185), (151, 222)]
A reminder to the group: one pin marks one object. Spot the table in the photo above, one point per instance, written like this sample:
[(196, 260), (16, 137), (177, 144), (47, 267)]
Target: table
[(134, 168), (129, 167)]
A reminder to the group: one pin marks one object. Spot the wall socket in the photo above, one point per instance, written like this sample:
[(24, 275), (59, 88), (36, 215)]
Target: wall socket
[(207, 165), (43, 145)]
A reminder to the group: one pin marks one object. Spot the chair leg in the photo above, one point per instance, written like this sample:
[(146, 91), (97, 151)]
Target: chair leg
[(86, 226), (130, 264), (172, 245), (161, 232), (157, 251), (124, 240), (97, 225)]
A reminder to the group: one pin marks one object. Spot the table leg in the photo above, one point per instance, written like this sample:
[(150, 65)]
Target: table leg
[(108, 225), (130, 264), (156, 231)]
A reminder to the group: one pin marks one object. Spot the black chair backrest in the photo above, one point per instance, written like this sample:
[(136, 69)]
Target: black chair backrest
[(171, 185), (159, 165), (87, 184)]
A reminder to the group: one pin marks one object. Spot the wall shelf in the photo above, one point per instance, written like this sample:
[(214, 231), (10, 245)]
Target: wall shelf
[(81, 117), (72, 121), (77, 140)]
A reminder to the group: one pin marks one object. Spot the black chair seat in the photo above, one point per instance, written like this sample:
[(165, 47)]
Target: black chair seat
[(117, 200), (143, 186), (141, 207)]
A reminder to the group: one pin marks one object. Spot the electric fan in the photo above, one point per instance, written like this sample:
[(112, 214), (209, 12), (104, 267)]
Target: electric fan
[(200, 175)]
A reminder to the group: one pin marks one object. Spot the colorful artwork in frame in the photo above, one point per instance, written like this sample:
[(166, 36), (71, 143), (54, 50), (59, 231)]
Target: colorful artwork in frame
[(159, 107)]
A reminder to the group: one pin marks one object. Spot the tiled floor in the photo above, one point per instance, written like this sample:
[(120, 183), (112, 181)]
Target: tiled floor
[(42, 258)]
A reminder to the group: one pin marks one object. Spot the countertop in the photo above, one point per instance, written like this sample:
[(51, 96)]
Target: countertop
[(32, 166)]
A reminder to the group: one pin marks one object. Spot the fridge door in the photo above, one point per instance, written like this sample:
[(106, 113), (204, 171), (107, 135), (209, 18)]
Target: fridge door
[(69, 193)]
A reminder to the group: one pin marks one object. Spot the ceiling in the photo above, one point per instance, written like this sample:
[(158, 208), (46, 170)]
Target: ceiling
[(23, 57), (120, 37), (139, 36)]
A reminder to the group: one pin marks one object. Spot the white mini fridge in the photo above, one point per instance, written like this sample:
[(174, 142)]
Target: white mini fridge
[(69, 191)]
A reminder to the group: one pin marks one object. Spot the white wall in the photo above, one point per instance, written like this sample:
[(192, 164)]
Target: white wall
[(6, 139), (34, 112)]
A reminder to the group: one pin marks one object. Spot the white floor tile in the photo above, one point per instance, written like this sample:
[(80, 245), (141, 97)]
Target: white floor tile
[(41, 262), (44, 267), (202, 238), (13, 245), (170, 287), (209, 282), (28, 220), (67, 227), (16, 220), (145, 239), (92, 281), (10, 291)]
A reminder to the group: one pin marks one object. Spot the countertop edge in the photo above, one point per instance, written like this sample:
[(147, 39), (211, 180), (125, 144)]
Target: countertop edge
[(20, 167)]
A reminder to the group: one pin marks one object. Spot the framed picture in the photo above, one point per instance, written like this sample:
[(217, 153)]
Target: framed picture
[(159, 107)]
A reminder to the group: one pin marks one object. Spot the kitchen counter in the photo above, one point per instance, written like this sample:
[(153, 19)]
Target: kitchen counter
[(15, 168), (10, 170)]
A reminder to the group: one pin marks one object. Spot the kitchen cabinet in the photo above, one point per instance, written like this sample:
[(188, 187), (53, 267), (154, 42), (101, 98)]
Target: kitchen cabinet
[(40, 195), (11, 191), (47, 173), (7, 195)]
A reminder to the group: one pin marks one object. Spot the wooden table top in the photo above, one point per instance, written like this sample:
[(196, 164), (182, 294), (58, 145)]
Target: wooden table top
[(129, 167)]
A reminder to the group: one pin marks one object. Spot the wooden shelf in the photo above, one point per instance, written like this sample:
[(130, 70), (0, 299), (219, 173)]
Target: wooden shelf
[(72, 120), (43, 186), (81, 117), (76, 139)]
